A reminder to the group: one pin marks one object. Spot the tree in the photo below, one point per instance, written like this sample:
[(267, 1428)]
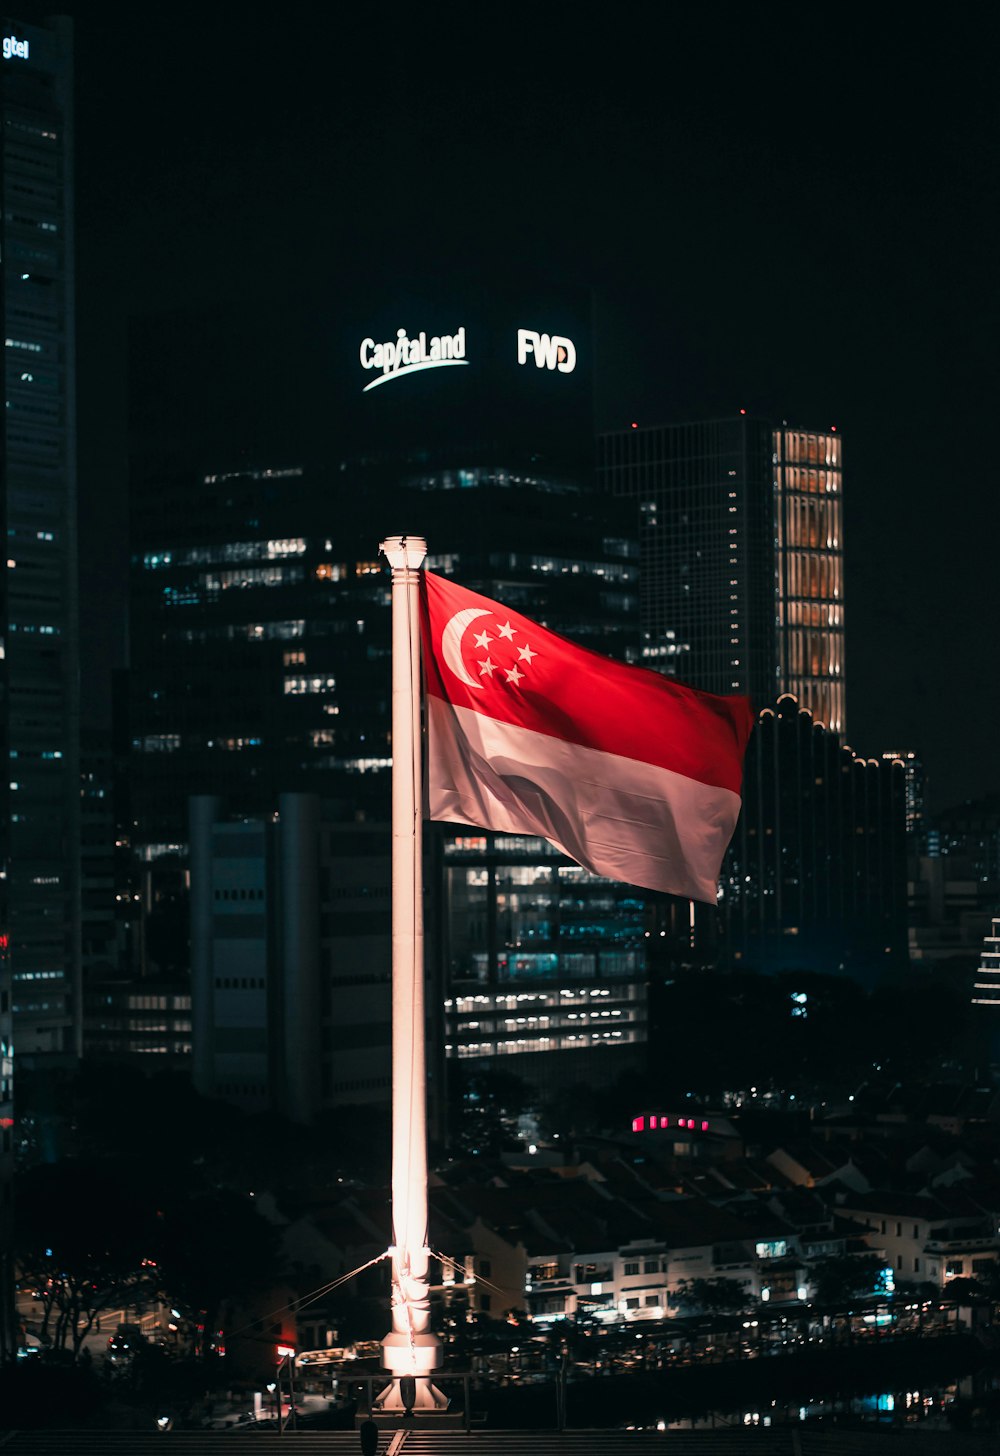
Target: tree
[(842, 1278), (85, 1242), (709, 1296)]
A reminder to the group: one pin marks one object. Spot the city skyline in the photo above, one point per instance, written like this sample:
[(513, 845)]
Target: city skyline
[(818, 256), (714, 321)]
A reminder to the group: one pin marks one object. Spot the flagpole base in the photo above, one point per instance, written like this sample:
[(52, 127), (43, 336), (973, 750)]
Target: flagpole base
[(411, 1359), (426, 1397)]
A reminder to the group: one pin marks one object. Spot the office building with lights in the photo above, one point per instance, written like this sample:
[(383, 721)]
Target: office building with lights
[(260, 638), (39, 841), (740, 530)]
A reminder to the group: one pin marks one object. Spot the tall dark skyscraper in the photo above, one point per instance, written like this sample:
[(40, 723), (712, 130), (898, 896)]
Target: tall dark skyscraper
[(40, 661), (740, 528), (260, 627), (39, 837)]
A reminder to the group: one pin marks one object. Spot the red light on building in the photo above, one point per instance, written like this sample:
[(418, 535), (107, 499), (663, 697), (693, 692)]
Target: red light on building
[(638, 1124), (634, 425), (6, 1122), (285, 1352), (704, 1126), (742, 411)]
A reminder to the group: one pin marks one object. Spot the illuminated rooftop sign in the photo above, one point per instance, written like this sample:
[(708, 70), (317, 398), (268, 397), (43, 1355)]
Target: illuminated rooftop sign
[(14, 49), (403, 355), (550, 351)]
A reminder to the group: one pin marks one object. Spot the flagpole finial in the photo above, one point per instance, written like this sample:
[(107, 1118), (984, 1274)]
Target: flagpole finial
[(404, 552)]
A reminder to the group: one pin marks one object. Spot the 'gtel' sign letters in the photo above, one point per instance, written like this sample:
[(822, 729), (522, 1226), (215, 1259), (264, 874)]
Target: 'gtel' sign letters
[(550, 351), (14, 49)]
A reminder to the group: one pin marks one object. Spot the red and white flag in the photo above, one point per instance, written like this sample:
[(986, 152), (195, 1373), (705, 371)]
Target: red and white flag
[(632, 775)]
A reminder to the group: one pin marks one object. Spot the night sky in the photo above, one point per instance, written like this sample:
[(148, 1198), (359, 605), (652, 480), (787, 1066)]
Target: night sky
[(796, 215)]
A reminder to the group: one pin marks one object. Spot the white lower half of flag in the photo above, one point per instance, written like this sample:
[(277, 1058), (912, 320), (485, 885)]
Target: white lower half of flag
[(615, 816)]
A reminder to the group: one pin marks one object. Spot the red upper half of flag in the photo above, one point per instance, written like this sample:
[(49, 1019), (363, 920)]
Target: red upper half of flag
[(478, 654)]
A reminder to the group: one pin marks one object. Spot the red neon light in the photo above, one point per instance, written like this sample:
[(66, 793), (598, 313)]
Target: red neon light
[(284, 1352), (704, 1127), (638, 1124), (6, 1122)]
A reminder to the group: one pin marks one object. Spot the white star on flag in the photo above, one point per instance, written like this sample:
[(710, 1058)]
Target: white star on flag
[(507, 631), (483, 640), (486, 666), (514, 676), (526, 654)]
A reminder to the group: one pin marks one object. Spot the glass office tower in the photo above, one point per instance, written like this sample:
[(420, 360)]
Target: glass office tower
[(39, 838), (260, 623), (741, 539)]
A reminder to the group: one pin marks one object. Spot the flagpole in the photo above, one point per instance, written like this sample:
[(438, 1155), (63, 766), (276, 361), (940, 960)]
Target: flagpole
[(410, 1349)]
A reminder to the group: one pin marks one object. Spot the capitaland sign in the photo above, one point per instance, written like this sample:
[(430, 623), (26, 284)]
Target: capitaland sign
[(549, 351), (403, 355), (14, 49)]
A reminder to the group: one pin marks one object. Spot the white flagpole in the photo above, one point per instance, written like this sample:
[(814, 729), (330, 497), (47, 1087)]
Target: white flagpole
[(410, 1349)]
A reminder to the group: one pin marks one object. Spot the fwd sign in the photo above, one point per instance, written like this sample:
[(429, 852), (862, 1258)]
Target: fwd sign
[(550, 351)]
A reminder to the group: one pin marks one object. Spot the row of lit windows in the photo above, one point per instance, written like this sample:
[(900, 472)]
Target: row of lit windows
[(251, 576), (815, 524), (517, 561), (811, 482), (807, 449), (231, 551), (813, 576), (298, 685), (566, 996), (811, 614), (814, 654), (524, 1044)]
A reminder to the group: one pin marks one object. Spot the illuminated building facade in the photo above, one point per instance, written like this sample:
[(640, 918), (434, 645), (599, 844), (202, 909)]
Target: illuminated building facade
[(39, 843), (260, 642), (740, 532), (540, 957)]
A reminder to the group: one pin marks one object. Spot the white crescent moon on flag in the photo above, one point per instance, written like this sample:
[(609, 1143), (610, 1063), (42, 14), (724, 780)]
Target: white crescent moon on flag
[(451, 642)]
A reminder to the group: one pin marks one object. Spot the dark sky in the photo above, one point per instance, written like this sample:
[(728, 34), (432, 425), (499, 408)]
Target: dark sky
[(792, 213)]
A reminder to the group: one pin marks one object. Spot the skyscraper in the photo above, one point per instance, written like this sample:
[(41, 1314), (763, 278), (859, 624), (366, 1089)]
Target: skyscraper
[(260, 636), (40, 661), (39, 814), (741, 553)]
